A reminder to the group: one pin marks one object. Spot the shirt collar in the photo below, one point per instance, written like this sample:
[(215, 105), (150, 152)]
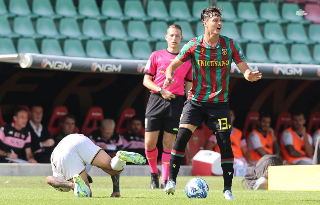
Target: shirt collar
[(38, 132)]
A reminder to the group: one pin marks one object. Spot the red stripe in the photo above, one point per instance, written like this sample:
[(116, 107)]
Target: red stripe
[(224, 69), (202, 56), (213, 76), (235, 53), (227, 160), (194, 81), (177, 152)]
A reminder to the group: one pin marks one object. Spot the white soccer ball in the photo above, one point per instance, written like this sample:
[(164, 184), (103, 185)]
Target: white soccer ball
[(197, 188)]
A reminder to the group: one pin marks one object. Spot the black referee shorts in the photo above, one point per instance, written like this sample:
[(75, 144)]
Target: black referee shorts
[(216, 115), (163, 114)]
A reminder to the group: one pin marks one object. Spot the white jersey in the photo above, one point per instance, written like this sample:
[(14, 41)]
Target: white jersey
[(73, 155)]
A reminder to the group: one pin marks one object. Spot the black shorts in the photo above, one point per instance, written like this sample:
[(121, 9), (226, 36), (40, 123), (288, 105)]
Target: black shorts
[(216, 115), (163, 114)]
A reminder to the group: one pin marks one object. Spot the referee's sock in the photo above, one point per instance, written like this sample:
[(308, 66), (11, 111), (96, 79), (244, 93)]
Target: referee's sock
[(152, 157), (177, 153)]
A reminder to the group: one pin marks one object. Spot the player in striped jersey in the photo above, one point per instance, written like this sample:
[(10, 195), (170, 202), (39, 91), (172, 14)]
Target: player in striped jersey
[(211, 55)]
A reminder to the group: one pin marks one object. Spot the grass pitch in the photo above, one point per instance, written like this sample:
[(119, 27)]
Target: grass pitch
[(135, 190)]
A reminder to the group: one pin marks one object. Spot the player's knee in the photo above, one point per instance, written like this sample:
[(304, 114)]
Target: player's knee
[(183, 138)]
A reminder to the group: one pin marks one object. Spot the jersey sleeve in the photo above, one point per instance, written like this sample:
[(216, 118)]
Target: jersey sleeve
[(254, 141), (186, 51), (151, 66), (28, 141), (286, 138), (237, 54), (189, 74), (310, 139), (316, 135)]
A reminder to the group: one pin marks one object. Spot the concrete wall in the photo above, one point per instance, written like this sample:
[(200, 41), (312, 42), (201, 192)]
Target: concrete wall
[(45, 170)]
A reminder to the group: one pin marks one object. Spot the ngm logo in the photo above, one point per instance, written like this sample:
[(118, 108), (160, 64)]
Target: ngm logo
[(107, 68), (58, 65), (287, 70)]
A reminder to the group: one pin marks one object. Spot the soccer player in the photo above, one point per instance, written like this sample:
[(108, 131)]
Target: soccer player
[(211, 55), (165, 105), (239, 147), (73, 158)]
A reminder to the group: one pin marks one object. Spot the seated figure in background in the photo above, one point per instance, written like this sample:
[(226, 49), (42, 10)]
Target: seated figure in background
[(15, 139), (296, 143), (133, 138), (41, 142), (262, 141), (68, 123), (106, 137)]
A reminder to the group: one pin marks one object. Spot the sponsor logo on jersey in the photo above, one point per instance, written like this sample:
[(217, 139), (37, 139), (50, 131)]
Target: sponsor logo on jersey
[(213, 63)]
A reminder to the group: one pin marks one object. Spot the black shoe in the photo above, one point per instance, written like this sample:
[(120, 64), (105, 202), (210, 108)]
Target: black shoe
[(163, 185), (154, 181)]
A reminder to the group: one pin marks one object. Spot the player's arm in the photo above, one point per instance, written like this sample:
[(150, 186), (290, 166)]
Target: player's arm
[(57, 182), (148, 82), (187, 87), (247, 73), (247, 154), (176, 63), (182, 57), (261, 151), (116, 186), (239, 59), (293, 152), (307, 146), (29, 156)]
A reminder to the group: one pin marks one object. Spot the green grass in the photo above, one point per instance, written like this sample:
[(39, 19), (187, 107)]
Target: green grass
[(135, 190)]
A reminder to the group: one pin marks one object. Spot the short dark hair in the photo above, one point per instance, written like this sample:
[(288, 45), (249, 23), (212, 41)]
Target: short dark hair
[(63, 118), (35, 105), (209, 12), (135, 118), (18, 109), (177, 26), (297, 113), (264, 115)]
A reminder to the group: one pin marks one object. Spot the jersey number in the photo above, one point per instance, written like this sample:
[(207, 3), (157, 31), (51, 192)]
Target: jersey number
[(223, 122)]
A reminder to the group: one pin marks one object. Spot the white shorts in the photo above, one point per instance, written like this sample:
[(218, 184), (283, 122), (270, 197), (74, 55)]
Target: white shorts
[(72, 155)]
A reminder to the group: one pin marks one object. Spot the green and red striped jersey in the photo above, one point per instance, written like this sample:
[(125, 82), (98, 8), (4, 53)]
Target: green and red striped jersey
[(211, 67)]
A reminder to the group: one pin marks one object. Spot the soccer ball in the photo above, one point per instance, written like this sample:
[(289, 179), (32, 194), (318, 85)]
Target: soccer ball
[(197, 188)]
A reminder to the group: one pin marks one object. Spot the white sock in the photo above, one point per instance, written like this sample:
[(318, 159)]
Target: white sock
[(117, 164)]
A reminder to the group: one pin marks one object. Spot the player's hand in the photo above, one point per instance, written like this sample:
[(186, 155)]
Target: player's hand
[(115, 194), (168, 80), (304, 132), (12, 155), (252, 76), (271, 131), (167, 94), (32, 160)]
